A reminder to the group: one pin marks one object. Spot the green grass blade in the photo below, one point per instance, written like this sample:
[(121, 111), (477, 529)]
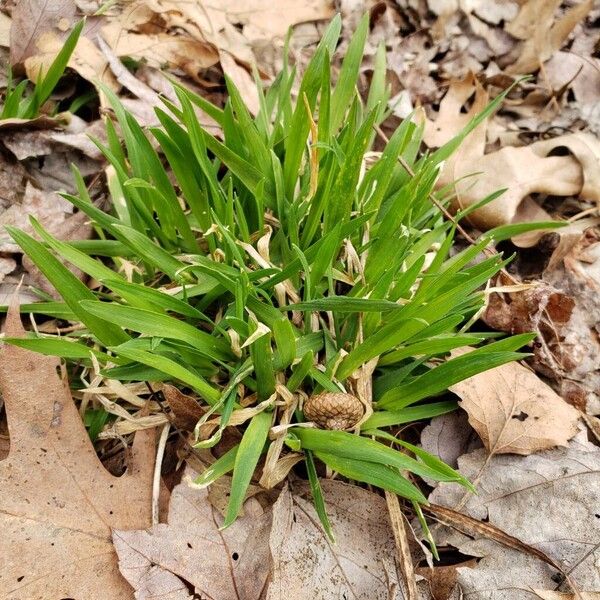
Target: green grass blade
[(346, 84), (159, 325), (72, 290), (171, 368), (248, 453), (383, 477), (317, 494), (220, 467)]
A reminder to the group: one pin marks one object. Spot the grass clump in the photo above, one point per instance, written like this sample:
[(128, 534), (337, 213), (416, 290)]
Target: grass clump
[(285, 261)]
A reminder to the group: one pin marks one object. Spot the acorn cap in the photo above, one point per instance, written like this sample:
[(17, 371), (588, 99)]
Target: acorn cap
[(334, 410)]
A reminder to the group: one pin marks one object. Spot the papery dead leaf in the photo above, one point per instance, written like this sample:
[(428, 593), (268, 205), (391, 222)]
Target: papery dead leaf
[(186, 409), (543, 36), (450, 119), (48, 207), (548, 501), (552, 595), (523, 171), (5, 25), (359, 565), (159, 49), (191, 556), (449, 437), (30, 19), (513, 411), (38, 31), (57, 502)]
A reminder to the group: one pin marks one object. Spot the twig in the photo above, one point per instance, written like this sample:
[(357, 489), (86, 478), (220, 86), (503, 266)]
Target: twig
[(401, 539)]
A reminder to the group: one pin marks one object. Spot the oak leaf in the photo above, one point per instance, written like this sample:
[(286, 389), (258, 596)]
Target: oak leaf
[(548, 500), (58, 503), (191, 557), (360, 565), (513, 411)]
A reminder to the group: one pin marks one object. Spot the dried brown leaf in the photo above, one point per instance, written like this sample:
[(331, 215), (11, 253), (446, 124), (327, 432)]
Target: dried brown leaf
[(543, 36), (57, 502), (513, 411), (5, 24), (30, 19), (548, 501), (359, 565), (186, 409), (190, 555), (449, 437)]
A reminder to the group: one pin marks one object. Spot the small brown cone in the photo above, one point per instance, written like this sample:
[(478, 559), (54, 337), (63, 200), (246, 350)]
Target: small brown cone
[(334, 410)]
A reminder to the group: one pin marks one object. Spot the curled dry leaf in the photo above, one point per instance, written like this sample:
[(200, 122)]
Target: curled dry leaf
[(513, 411), (522, 171), (548, 501), (563, 308), (190, 557), (449, 437), (57, 502), (542, 33), (359, 565), (186, 409)]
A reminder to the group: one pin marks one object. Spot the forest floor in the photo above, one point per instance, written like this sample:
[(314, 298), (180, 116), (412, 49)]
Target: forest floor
[(527, 434)]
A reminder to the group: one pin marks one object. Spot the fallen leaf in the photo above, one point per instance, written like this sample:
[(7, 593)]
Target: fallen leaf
[(157, 49), (513, 411), (542, 34), (30, 19), (57, 502), (449, 436), (38, 31), (552, 595), (190, 557), (7, 266), (359, 565), (186, 409), (451, 119), (13, 178), (42, 122), (562, 308), (547, 500), (48, 207), (5, 24), (522, 171)]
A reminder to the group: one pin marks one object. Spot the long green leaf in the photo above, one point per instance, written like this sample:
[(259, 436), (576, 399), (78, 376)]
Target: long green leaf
[(246, 459)]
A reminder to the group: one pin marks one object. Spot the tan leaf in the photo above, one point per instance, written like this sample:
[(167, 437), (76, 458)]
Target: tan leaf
[(190, 553), (5, 24), (359, 565), (522, 171), (548, 500), (542, 36), (160, 49), (552, 595), (57, 502), (513, 411), (30, 19), (450, 119)]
